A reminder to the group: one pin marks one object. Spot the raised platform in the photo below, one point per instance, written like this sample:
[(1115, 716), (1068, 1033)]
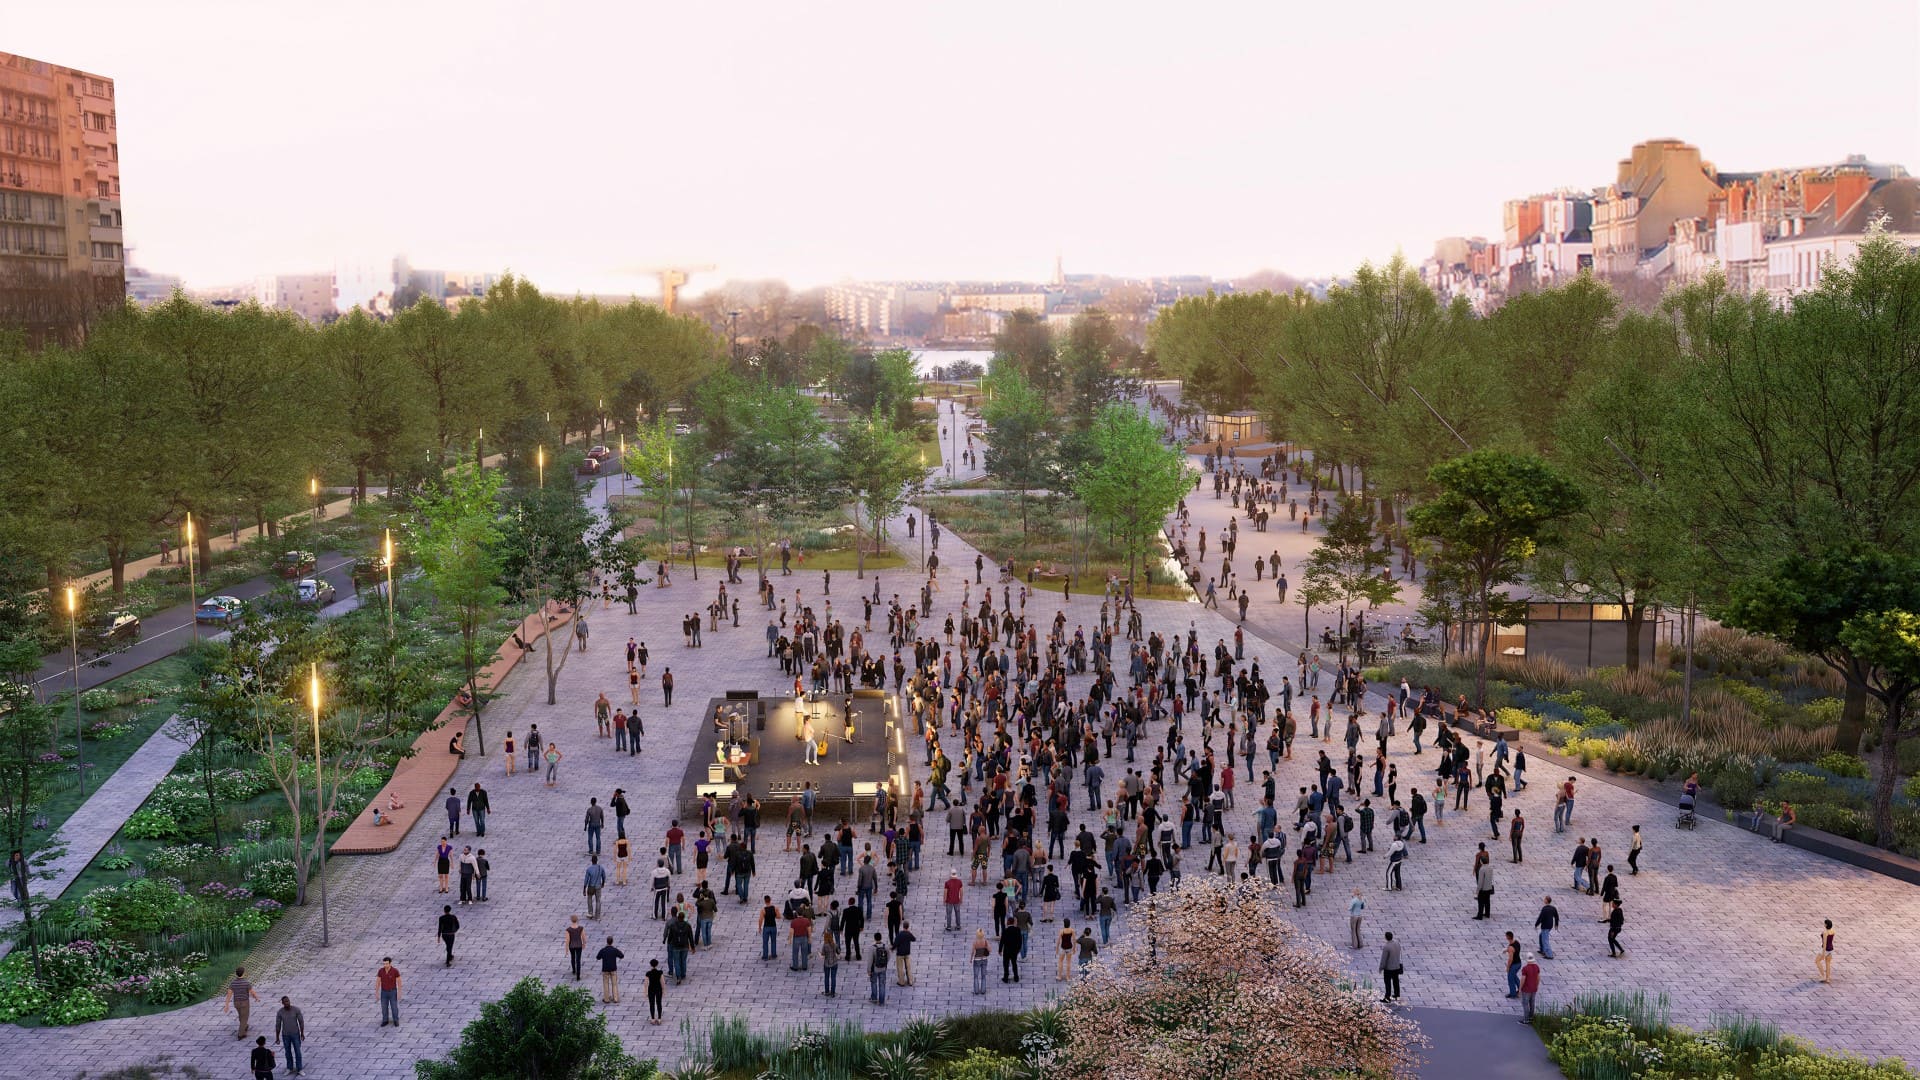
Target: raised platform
[(845, 778)]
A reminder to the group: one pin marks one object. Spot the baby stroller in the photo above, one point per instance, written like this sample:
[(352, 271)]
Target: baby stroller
[(1688, 819)]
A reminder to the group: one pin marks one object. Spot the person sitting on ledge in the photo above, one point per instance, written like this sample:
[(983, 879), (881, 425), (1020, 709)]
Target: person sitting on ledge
[(458, 744), (393, 801), (377, 819)]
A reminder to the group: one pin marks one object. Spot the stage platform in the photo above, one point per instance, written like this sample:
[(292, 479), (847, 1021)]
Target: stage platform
[(845, 779)]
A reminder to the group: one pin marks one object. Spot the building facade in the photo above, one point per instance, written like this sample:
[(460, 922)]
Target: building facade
[(62, 251)]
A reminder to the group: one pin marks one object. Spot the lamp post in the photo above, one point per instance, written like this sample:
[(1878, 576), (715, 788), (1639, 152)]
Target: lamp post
[(387, 551), (666, 516), (540, 462), (319, 810), (733, 336), (319, 507), (73, 639), (479, 447), (193, 588), (623, 466), (923, 511)]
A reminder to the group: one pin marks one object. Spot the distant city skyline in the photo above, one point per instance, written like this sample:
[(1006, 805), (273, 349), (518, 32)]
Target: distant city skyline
[(871, 141)]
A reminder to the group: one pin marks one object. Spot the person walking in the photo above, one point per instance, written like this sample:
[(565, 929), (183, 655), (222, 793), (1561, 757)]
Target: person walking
[(1823, 959), (877, 971), (610, 958), (592, 883), (1510, 959), (656, 992), (576, 943), (1546, 922), (980, 953), (442, 862), (903, 940), (388, 980), (666, 687), (478, 805), (1633, 853), (1514, 832), (1391, 966), (1529, 987), (290, 1028), (1616, 919), (453, 812), (1483, 890), (830, 963), (1356, 907), (261, 1059), (596, 823), (240, 998), (1011, 942), (468, 869), (448, 927)]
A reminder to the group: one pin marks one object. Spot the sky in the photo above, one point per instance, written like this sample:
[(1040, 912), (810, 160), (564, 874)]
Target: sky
[(579, 143)]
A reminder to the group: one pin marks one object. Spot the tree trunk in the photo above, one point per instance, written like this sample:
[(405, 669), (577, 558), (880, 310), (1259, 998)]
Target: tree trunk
[(117, 558), (1853, 717), (1634, 613), (1887, 776), (1486, 645), (360, 484)]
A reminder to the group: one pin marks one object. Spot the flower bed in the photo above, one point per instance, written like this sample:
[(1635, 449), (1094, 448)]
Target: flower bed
[(1615, 1036)]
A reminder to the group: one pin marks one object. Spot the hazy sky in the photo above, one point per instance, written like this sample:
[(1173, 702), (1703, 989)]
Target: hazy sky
[(819, 141)]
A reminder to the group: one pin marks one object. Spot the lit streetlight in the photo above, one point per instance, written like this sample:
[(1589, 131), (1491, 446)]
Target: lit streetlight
[(193, 587), (923, 510), (313, 489), (73, 639), (387, 551), (540, 462), (319, 810), (623, 465)]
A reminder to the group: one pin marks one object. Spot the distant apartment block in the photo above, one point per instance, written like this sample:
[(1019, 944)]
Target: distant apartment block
[(62, 256), (882, 309), (1670, 217), (146, 288), (309, 296)]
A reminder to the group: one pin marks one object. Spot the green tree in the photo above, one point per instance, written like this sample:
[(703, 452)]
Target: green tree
[(1350, 566), (1025, 345), (455, 531), (1090, 359), (537, 1032), (554, 548), (461, 379), (877, 464), (1134, 482), (381, 403), (1492, 510), (26, 727), (883, 381), (1019, 449), (1224, 348), (773, 465)]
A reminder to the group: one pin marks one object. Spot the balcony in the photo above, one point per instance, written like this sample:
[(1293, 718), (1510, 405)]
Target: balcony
[(44, 121)]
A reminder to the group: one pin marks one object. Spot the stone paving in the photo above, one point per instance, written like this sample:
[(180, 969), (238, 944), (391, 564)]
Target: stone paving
[(1719, 919)]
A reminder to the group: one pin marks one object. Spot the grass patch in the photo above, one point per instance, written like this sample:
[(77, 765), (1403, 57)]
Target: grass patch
[(1057, 534)]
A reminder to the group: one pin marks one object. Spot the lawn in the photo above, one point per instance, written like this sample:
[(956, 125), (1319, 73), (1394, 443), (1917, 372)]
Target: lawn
[(1056, 534), (820, 535)]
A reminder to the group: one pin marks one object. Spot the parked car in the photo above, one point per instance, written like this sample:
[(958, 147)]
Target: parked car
[(224, 610), (313, 592), (117, 629), (589, 467), (682, 429), (369, 570), (599, 453), (294, 564)]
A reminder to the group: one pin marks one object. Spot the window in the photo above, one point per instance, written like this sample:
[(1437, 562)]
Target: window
[(105, 188)]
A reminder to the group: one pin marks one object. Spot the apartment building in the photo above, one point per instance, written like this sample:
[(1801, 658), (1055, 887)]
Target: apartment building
[(309, 296), (62, 251)]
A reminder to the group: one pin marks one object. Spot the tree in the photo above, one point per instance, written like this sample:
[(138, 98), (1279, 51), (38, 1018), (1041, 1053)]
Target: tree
[(537, 1032), (1350, 567), (1089, 359), (455, 531), (381, 403), (554, 548), (1019, 449), (876, 464), (777, 455), (1135, 480), (1223, 348), (1169, 1001), (460, 378), (1855, 611), (1025, 345), (1492, 509), (883, 381), (26, 727)]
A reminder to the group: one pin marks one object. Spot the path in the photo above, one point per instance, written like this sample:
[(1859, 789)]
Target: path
[(1719, 918)]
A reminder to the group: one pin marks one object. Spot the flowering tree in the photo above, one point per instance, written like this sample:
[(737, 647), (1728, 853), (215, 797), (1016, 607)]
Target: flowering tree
[(1216, 985)]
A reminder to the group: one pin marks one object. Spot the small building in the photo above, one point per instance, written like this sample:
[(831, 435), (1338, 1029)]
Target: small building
[(1236, 428), (1581, 636)]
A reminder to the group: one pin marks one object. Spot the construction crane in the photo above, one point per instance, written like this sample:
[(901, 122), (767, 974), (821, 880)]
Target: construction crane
[(671, 278)]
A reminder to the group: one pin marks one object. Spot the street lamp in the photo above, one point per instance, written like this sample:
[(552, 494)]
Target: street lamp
[(313, 489), (923, 510), (733, 335), (387, 551), (73, 639), (319, 811), (479, 448), (540, 462), (623, 465), (193, 588)]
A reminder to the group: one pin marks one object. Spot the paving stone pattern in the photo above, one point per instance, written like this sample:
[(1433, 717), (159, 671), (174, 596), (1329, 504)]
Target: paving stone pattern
[(1720, 919)]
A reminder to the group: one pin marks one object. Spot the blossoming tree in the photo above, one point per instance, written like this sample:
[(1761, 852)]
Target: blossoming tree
[(1216, 985)]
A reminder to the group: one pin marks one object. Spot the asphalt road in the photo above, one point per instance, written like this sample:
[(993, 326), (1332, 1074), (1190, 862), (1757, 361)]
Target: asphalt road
[(165, 632)]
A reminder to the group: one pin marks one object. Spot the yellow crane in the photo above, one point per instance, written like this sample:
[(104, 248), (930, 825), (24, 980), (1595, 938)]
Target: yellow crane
[(671, 278)]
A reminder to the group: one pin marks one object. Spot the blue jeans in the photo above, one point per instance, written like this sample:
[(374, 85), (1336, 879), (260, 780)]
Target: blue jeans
[(619, 736), (740, 883), (677, 963), (769, 942), (593, 839), (1580, 877), (1546, 944), (480, 822), (390, 1006), (1421, 824), (673, 856), (291, 1044), (1513, 979), (703, 931), (877, 987), (479, 888), (1106, 925), (802, 953), (831, 978)]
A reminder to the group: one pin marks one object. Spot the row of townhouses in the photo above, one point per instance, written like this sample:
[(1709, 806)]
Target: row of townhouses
[(1670, 217)]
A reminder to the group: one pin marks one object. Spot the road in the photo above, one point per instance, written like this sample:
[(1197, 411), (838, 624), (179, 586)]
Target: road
[(165, 632)]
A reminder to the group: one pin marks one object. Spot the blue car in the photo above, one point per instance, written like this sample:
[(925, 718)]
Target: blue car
[(224, 610)]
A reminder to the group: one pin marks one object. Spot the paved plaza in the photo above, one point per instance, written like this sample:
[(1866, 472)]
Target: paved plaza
[(1720, 920)]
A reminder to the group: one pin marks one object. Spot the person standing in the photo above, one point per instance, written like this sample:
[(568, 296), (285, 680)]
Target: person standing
[(1529, 987), (1616, 919), (1010, 943), (955, 888), (1391, 966), (592, 883), (261, 1059), (453, 812), (877, 971), (576, 944), (903, 940), (1546, 922), (448, 927), (553, 763), (1514, 832), (666, 687), (1356, 907), (478, 804), (610, 958), (468, 868), (1510, 957), (388, 980), (830, 963), (240, 998), (979, 954), (656, 992), (596, 822), (1483, 890), (290, 1027), (1633, 853), (1822, 960), (533, 750)]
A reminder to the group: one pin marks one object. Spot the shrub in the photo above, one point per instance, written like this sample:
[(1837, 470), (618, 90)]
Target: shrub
[(536, 1030), (1841, 763), (1518, 719), (82, 1006), (172, 986), (1595, 1048), (1838, 820), (1788, 1064), (1560, 733), (895, 1063), (1683, 1053), (274, 878), (20, 996), (177, 858), (145, 905), (251, 921), (1734, 787), (981, 1064), (149, 824), (99, 699)]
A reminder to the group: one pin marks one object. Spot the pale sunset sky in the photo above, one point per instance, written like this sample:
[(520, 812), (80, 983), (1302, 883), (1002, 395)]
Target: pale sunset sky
[(574, 142)]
